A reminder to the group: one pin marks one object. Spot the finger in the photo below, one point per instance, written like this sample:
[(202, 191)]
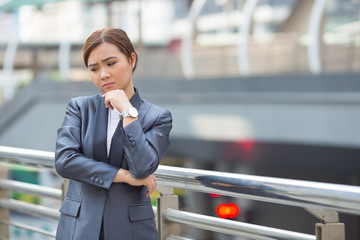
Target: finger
[(150, 192), (111, 106), (151, 189), (155, 183), (106, 100), (108, 104), (152, 184)]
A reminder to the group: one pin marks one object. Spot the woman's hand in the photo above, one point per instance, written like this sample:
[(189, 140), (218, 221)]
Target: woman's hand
[(119, 100), (149, 182), (116, 99), (126, 177)]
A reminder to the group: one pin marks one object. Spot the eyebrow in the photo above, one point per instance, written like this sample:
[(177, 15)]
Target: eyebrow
[(104, 60)]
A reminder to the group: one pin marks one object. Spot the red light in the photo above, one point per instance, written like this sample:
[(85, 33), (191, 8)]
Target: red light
[(227, 210), (234, 210), (222, 210), (247, 144), (215, 195)]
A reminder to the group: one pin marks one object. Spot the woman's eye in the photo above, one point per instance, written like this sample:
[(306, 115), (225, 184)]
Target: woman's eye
[(112, 63), (93, 69)]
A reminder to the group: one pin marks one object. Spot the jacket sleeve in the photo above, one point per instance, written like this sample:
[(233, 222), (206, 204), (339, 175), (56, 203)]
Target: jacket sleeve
[(70, 162), (145, 150)]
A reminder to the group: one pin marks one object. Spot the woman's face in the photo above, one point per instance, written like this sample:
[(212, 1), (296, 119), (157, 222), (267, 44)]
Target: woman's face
[(110, 69)]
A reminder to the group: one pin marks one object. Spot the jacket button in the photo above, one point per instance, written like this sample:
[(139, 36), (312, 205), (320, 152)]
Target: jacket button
[(96, 180), (129, 135), (133, 144), (131, 139), (92, 179), (101, 182)]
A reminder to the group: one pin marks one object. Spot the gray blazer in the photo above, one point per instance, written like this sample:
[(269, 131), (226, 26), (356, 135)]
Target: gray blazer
[(81, 156)]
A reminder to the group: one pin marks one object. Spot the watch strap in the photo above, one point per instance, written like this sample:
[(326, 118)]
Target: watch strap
[(127, 113), (124, 115)]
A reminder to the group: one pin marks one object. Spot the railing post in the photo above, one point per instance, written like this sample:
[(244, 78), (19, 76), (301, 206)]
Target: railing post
[(4, 213), (330, 228), (333, 231), (166, 200)]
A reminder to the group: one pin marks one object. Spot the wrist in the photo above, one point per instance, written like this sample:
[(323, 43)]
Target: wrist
[(130, 112), (124, 107), (128, 120), (121, 176)]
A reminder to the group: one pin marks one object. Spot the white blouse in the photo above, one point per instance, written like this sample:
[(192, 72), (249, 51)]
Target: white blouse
[(113, 121)]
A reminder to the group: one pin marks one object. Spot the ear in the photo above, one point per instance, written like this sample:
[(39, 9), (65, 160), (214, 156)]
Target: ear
[(133, 59)]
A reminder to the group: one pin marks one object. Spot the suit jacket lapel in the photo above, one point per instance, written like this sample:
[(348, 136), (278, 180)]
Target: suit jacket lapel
[(117, 143), (100, 131), (117, 147)]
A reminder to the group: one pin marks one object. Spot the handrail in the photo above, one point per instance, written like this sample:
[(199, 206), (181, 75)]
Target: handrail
[(28, 227), (30, 208), (234, 228), (27, 157), (29, 188), (173, 237), (306, 194), (320, 199)]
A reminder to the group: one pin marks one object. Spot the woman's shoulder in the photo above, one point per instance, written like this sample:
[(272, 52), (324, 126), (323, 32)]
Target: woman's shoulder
[(153, 108), (154, 112), (83, 101)]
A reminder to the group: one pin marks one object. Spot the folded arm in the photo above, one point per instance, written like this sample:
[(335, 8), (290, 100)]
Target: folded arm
[(144, 150), (70, 162)]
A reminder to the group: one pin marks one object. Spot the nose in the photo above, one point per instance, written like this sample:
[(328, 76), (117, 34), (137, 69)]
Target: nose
[(104, 74)]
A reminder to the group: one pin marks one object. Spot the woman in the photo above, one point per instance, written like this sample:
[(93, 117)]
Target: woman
[(109, 146)]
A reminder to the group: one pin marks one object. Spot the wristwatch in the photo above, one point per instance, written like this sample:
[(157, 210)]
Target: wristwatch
[(132, 112)]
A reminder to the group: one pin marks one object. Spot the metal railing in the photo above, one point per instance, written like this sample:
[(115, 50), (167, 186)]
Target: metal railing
[(323, 200)]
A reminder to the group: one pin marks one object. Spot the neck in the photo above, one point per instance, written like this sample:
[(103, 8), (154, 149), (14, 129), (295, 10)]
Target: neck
[(129, 90), (129, 93)]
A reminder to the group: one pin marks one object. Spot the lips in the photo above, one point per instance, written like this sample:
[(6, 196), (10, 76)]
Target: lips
[(108, 84)]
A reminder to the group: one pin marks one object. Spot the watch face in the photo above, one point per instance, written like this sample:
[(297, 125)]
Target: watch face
[(133, 112)]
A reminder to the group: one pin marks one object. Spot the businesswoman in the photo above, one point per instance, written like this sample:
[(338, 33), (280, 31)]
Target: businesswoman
[(109, 146)]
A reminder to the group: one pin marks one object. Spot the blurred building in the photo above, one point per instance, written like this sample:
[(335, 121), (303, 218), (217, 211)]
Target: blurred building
[(42, 40), (264, 87)]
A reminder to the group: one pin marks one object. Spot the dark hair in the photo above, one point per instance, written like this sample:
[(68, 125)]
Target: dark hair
[(110, 35)]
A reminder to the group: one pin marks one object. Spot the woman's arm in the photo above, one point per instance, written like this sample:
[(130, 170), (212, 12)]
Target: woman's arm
[(126, 177), (70, 162), (144, 151)]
